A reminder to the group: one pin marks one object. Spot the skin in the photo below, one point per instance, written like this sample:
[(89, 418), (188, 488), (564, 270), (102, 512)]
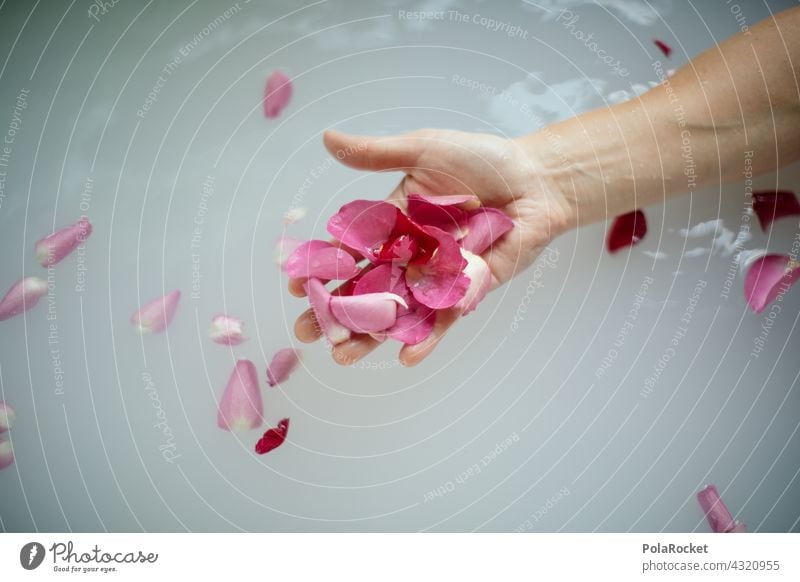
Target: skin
[(741, 96)]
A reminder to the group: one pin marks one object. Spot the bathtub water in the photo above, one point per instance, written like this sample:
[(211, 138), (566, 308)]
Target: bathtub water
[(594, 393)]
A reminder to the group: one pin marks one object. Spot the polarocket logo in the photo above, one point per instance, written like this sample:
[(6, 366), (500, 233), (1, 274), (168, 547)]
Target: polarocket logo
[(31, 555)]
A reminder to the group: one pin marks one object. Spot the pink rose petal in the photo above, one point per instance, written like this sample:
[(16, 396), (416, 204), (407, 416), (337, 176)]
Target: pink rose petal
[(7, 416), (241, 407), (484, 227), (155, 316), (284, 247), (368, 313), (480, 282), (226, 330), (293, 216), (717, 514), (771, 206), (627, 230), (665, 48), (53, 248), (768, 277), (273, 438), (364, 225), (282, 365), (22, 296), (320, 298), (6, 452), (439, 211), (277, 94), (439, 283), (321, 260)]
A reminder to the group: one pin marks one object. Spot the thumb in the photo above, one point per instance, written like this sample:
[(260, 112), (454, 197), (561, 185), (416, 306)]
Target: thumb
[(374, 153)]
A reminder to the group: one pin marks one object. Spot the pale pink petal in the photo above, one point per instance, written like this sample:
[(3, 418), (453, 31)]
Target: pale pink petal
[(7, 416), (55, 247), (277, 94), (770, 206), (282, 365), (717, 514), (6, 452), (768, 277), (484, 227), (273, 438), (439, 283), (227, 330), (155, 316), (440, 211), (368, 313), (480, 277), (321, 260), (284, 248), (241, 407), (294, 215), (320, 298), (22, 296), (364, 225)]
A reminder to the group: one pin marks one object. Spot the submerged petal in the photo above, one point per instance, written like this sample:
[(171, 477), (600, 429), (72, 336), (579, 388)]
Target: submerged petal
[(440, 282), (367, 313), (364, 225), (768, 277), (155, 316), (7, 416), (241, 407), (480, 277), (6, 452), (320, 299), (717, 514), (226, 330), (627, 230), (277, 94), (54, 247), (771, 206), (484, 227), (284, 247), (322, 260), (22, 296), (282, 365), (273, 438)]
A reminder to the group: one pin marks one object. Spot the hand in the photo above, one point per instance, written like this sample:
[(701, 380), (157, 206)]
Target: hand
[(504, 174)]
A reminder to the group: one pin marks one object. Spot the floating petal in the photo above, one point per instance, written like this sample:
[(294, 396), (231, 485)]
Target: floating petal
[(484, 227), (368, 313), (293, 216), (273, 438), (226, 330), (282, 365), (628, 229), (53, 248), (717, 514), (665, 48), (320, 298), (768, 277), (284, 248), (321, 260), (277, 94), (241, 407), (6, 452), (771, 206), (7, 416), (22, 296), (155, 316)]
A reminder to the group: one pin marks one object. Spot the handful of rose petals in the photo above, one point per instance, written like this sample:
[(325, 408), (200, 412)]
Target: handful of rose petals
[(416, 263)]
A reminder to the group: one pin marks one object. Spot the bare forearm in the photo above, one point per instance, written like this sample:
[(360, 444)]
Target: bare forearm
[(738, 99)]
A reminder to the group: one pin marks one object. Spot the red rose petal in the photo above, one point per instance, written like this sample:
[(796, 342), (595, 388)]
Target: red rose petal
[(770, 206), (627, 230), (768, 277), (665, 48), (273, 438)]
